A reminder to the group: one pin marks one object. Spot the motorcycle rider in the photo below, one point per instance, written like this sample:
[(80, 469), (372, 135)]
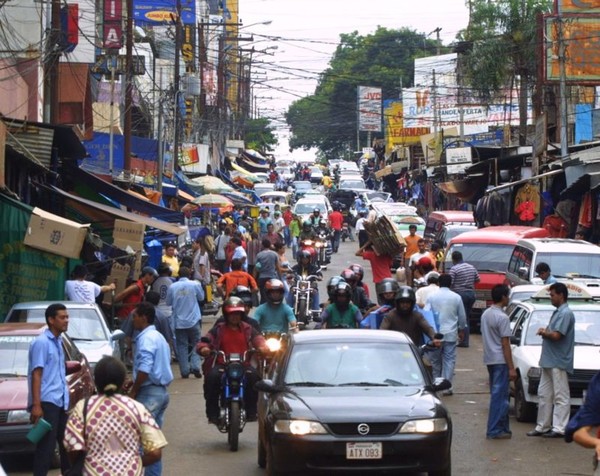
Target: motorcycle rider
[(404, 318), (308, 232), (331, 285), (315, 218), (360, 274), (325, 236), (231, 336), (359, 296), (387, 294), (275, 315), (306, 268), (342, 313), (245, 294)]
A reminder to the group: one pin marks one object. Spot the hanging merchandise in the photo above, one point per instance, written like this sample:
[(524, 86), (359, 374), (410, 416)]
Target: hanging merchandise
[(556, 226), (585, 211), (527, 202)]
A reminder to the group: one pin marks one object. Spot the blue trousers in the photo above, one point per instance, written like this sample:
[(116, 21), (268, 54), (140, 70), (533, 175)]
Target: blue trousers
[(156, 400), (57, 417), (185, 344), (499, 400), (468, 299)]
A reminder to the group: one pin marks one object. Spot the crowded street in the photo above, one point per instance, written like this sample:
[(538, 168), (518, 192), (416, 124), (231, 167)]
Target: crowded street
[(197, 448)]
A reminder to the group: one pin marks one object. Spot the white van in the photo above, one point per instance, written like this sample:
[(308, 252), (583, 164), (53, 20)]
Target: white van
[(569, 260)]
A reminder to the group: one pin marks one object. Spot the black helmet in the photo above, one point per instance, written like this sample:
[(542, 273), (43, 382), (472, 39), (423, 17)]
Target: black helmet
[(405, 293), (358, 270), (244, 293), (303, 254), (342, 289), (274, 285), (233, 304), (331, 285), (388, 285), (307, 225), (316, 210)]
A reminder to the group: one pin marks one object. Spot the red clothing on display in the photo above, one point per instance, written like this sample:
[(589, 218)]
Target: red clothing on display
[(336, 220), (380, 265)]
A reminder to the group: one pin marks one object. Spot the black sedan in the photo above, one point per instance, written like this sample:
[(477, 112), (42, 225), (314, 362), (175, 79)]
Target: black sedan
[(352, 401)]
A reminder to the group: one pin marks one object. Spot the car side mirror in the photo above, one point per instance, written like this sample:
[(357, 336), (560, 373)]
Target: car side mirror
[(515, 340), (523, 272), (266, 386), (72, 367), (117, 335)]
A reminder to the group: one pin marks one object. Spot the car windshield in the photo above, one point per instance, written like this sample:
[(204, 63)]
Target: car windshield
[(84, 324), (352, 184), (453, 231), (587, 326), (378, 196), (302, 185), (572, 264), (14, 352), (353, 363), (484, 256), (306, 208)]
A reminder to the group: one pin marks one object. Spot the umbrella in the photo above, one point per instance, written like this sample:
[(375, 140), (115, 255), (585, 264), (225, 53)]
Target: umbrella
[(213, 200)]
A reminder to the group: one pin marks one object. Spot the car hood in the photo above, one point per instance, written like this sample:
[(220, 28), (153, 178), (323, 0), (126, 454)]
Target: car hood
[(363, 403), (13, 393), (94, 350), (585, 356)]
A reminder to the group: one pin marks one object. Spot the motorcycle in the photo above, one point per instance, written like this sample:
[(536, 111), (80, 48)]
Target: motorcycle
[(302, 292), (275, 342), (232, 416)]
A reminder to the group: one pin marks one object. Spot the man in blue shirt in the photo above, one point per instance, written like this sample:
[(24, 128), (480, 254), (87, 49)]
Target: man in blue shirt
[(263, 222), (275, 315), (543, 271), (151, 369), (185, 297), (48, 391)]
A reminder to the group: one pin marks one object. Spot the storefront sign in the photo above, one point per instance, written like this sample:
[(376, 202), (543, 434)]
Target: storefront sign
[(369, 109)]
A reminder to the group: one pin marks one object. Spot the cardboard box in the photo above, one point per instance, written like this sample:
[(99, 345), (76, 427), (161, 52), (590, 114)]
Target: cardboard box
[(137, 248), (49, 232), (129, 231), (119, 275), (387, 170)]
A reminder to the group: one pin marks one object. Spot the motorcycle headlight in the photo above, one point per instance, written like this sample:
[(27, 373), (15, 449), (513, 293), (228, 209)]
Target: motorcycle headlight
[(429, 425), (308, 242), (18, 416), (303, 285), (235, 371), (273, 344), (299, 427)]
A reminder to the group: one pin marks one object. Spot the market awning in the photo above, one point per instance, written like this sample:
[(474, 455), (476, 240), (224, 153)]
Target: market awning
[(243, 171), (123, 197), (118, 213), (468, 190), (212, 184), (589, 182)]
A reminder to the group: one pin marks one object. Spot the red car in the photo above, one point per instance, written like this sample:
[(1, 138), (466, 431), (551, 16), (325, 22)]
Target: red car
[(14, 349)]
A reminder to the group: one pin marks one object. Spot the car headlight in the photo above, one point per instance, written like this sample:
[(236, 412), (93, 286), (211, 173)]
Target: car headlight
[(534, 373), (17, 416), (299, 427), (429, 425)]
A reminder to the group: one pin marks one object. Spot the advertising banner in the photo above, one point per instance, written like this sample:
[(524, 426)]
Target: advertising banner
[(157, 12), (577, 6), (112, 27), (369, 109), (395, 132)]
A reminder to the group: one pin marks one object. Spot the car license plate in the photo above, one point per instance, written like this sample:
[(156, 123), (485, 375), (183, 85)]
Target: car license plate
[(364, 451), (479, 305)]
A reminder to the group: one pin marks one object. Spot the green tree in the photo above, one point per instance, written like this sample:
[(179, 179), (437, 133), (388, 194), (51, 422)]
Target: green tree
[(503, 49), (327, 119), (259, 135)]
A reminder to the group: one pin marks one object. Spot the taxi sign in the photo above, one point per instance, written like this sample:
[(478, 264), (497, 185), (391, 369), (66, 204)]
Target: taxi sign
[(576, 291)]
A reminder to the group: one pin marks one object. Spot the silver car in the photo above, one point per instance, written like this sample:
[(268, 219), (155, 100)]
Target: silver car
[(87, 327)]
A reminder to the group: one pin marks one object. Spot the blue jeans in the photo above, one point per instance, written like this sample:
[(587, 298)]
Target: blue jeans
[(185, 344), (287, 239), (156, 400), (335, 243), (499, 400), (468, 299), (443, 360), (57, 417)]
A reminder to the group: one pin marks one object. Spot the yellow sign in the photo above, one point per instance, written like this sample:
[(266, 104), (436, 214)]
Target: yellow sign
[(395, 132)]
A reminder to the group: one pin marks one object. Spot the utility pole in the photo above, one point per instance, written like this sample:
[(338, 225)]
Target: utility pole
[(562, 58), (53, 63), (176, 81), (127, 129)]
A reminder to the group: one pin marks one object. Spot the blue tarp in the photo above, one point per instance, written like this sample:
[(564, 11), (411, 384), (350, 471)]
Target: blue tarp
[(583, 123), (98, 150)]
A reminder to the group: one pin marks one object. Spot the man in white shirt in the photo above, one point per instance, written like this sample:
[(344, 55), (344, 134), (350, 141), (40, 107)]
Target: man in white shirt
[(220, 243), (360, 229), (80, 290), (432, 287), (279, 223)]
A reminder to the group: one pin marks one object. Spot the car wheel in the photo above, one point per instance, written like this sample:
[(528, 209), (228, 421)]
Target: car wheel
[(524, 410)]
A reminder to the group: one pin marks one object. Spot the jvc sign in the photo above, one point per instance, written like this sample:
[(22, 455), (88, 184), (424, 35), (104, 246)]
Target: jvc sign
[(577, 6), (369, 109)]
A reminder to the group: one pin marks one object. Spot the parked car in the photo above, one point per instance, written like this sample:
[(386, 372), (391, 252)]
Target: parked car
[(402, 215), (488, 250), (569, 260), (87, 327), (527, 318), (348, 399), (443, 225), (15, 339)]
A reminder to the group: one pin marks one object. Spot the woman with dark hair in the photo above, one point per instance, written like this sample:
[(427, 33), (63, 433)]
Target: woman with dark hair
[(116, 426)]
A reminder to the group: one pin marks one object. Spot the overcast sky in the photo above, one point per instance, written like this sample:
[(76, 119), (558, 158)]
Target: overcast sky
[(310, 29)]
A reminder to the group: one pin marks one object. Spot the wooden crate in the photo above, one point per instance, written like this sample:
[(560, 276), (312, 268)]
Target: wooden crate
[(384, 236)]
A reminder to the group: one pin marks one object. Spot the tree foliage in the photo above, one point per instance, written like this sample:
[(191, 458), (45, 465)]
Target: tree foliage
[(327, 119), (259, 135), (504, 42)]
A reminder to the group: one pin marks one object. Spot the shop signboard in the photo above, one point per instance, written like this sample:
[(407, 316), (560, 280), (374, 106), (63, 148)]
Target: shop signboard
[(369, 109)]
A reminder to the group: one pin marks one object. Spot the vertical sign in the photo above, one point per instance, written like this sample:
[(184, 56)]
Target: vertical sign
[(2, 154), (369, 109), (113, 24)]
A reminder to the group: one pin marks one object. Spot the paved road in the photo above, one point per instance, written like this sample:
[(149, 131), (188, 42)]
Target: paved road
[(196, 448)]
